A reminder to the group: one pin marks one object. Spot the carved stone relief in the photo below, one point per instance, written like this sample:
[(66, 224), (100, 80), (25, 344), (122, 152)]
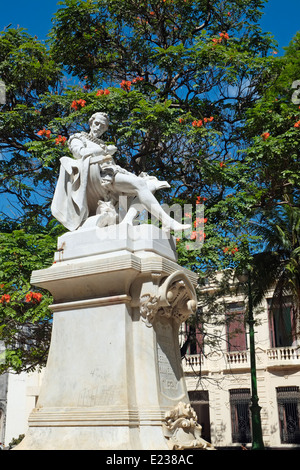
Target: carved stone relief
[(182, 430), (175, 298)]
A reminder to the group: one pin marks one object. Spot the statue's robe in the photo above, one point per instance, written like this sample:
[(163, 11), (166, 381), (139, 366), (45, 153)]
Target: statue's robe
[(82, 182)]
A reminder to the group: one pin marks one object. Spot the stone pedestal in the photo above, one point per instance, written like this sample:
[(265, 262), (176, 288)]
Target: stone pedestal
[(114, 378)]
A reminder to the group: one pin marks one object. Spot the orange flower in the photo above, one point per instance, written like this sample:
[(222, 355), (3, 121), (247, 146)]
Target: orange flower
[(75, 104), (297, 124), (103, 92), (198, 123), (60, 140), (5, 299), (224, 35), (200, 198), (125, 85), (45, 132), (33, 297), (199, 220), (265, 135), (232, 251)]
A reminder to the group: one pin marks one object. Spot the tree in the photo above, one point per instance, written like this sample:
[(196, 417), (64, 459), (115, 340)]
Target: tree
[(176, 78), (25, 319), (272, 132), (28, 72), (277, 265), (272, 162)]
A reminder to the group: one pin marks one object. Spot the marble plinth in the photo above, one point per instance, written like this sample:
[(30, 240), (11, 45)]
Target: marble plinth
[(114, 377)]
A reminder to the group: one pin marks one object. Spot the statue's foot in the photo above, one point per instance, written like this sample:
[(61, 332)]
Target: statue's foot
[(153, 183), (162, 184), (176, 226)]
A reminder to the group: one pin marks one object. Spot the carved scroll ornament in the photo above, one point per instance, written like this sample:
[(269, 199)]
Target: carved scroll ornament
[(175, 298), (182, 430)]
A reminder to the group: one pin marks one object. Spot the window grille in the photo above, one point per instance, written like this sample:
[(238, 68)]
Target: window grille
[(288, 399), (240, 400)]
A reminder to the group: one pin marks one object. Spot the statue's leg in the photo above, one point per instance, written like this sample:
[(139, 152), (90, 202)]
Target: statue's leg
[(131, 184), (131, 210), (133, 207)]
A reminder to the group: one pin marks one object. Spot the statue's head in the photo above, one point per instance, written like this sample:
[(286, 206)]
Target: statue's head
[(99, 123)]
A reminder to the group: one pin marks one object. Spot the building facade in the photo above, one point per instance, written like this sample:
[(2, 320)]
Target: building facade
[(18, 397), (219, 380)]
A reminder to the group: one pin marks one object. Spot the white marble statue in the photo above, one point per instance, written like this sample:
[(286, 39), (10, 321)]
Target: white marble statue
[(90, 185)]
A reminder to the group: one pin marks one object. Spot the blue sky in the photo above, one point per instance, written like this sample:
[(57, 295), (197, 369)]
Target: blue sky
[(281, 18)]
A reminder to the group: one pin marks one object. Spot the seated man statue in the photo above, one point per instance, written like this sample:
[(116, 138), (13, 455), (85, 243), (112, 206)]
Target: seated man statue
[(90, 186)]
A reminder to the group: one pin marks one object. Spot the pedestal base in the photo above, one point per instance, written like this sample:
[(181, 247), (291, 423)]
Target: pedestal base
[(114, 374)]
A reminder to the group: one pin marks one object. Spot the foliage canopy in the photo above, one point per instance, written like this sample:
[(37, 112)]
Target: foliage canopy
[(190, 87)]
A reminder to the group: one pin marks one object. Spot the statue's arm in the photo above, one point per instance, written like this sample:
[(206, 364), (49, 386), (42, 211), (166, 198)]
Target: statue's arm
[(77, 147)]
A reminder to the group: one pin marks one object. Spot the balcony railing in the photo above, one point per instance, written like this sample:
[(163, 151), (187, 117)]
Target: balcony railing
[(283, 356), (193, 362), (275, 357), (237, 358)]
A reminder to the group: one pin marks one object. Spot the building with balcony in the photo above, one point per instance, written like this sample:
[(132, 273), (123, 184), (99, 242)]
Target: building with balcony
[(219, 381)]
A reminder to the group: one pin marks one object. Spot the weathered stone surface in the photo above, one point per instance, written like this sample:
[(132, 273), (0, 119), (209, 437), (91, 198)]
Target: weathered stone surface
[(114, 370)]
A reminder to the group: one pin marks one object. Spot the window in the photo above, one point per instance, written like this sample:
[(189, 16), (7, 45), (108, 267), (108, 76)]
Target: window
[(195, 335), (240, 400), (192, 336), (288, 399), (282, 324), (235, 324), (200, 403)]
